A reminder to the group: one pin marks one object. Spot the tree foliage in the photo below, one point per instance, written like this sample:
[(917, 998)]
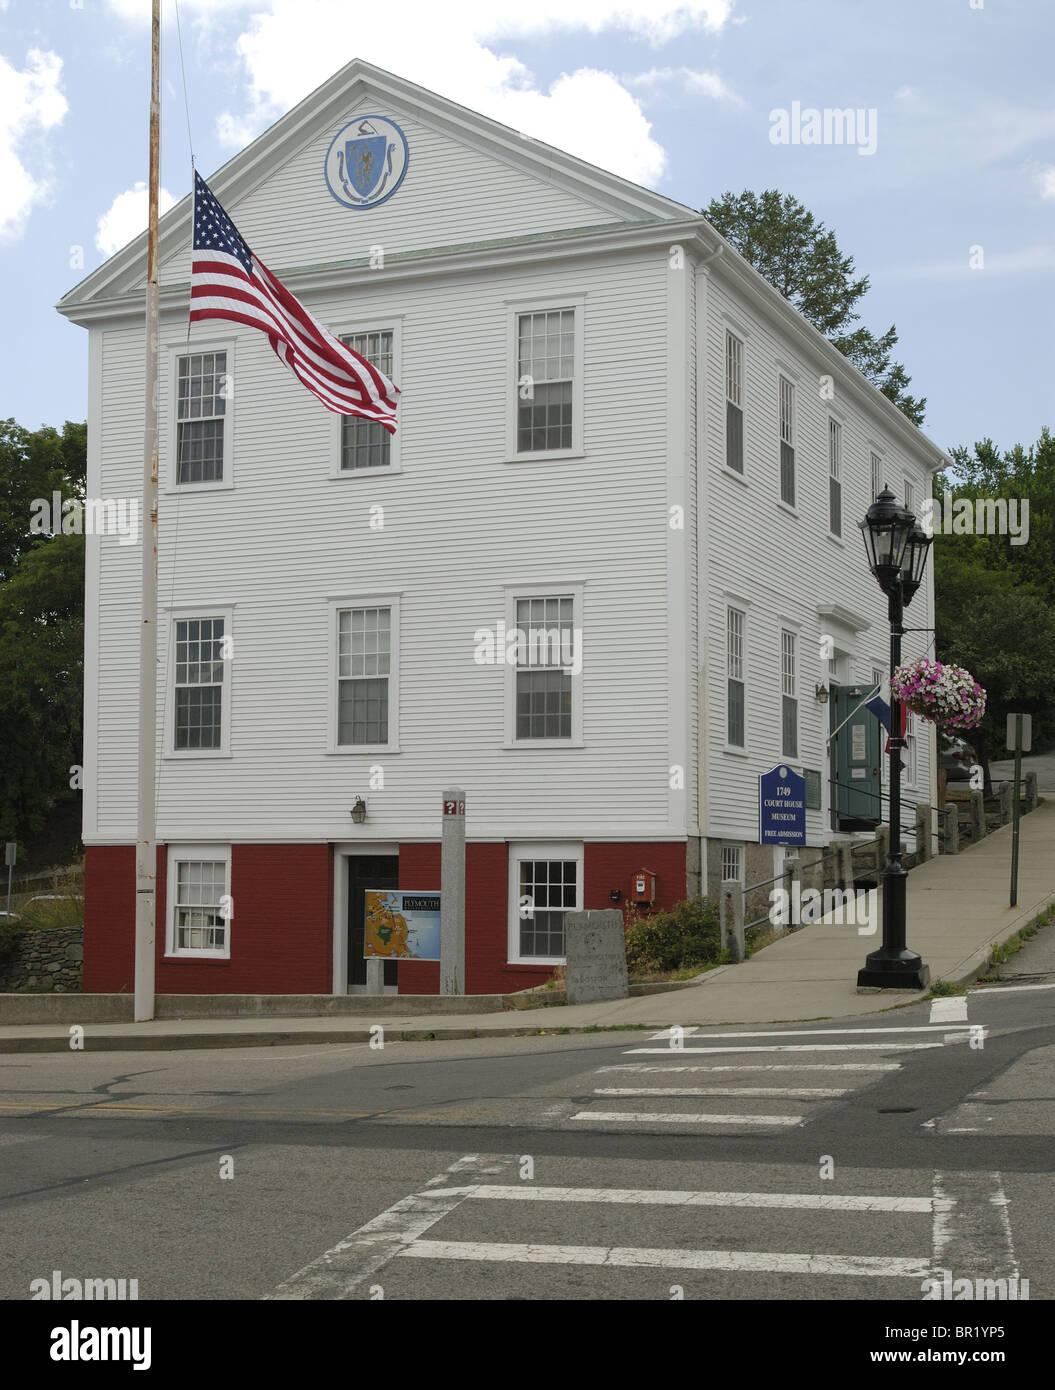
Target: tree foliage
[(995, 600), (41, 631), (800, 257)]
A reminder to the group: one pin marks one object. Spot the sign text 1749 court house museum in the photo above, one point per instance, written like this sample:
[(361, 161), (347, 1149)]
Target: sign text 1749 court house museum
[(596, 577)]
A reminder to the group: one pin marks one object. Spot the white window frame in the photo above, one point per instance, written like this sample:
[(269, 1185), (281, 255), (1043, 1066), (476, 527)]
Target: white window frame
[(513, 592), (792, 440), (732, 607), (390, 323), (175, 352), (733, 336), (875, 463), (518, 852), (911, 750), (543, 304), (793, 692), (182, 854), (727, 849), (910, 495), (335, 607), (835, 472), (185, 614)]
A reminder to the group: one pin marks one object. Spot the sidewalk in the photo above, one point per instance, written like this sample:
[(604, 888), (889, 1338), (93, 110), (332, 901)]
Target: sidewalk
[(957, 911)]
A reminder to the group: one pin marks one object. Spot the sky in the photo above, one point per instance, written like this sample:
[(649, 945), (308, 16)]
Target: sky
[(943, 193)]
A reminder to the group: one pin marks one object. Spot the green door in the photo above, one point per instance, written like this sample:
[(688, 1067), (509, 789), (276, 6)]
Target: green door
[(856, 797)]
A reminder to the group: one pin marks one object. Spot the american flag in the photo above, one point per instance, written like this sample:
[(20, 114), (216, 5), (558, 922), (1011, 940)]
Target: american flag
[(229, 282)]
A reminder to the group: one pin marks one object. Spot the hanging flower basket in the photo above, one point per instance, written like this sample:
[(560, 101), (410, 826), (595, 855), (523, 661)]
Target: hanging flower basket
[(944, 694)]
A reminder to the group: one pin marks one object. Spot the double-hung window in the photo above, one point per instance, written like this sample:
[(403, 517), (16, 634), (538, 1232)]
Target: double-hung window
[(202, 399), (835, 486), (545, 657), (734, 402), (787, 442), (366, 666), (366, 444), (546, 368), (734, 655), (200, 908), (200, 647), (789, 738), (545, 883)]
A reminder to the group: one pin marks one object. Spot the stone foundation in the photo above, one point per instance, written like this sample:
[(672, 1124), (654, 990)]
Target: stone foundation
[(48, 960)]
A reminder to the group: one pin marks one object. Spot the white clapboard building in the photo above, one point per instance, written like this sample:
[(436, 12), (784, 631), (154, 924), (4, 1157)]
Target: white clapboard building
[(612, 431)]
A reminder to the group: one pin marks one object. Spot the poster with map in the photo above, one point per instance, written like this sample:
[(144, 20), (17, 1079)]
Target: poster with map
[(402, 925)]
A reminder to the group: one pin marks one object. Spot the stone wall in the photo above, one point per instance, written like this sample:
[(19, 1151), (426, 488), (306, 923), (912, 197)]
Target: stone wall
[(49, 959)]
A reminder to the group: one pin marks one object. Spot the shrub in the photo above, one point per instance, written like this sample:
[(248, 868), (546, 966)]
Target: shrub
[(688, 935)]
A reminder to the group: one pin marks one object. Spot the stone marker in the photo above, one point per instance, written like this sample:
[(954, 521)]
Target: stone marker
[(595, 950)]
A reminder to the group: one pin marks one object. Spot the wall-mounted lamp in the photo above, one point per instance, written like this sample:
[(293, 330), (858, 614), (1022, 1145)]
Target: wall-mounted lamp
[(359, 810), (821, 694)]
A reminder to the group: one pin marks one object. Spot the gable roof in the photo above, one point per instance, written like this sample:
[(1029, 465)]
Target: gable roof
[(616, 198)]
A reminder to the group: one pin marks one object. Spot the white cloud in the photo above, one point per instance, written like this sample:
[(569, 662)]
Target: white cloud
[(31, 103), (1046, 180), (463, 53), (126, 217), (697, 83)]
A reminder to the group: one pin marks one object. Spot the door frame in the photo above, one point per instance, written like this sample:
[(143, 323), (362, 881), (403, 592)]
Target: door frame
[(341, 854)]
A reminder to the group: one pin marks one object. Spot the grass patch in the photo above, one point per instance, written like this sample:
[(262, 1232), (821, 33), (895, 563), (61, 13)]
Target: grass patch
[(941, 989)]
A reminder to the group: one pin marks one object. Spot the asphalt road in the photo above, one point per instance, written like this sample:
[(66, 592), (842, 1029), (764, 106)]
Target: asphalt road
[(812, 1162)]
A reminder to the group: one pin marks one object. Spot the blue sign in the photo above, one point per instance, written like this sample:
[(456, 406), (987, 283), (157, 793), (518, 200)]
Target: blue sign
[(781, 807)]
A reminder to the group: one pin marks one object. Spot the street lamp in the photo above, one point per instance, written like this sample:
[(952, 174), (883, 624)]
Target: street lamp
[(897, 549)]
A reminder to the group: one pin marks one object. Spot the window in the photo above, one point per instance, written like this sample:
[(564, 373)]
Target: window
[(734, 650), (364, 668), (909, 752), (879, 686), (732, 864), (199, 902), (734, 404), (835, 487), (200, 684), (545, 368), (545, 656), (201, 417), (877, 475), (787, 442), (789, 740), (545, 883), (910, 497), (366, 443)]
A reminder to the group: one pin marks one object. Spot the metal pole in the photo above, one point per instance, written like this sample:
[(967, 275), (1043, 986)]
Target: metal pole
[(894, 966), (1015, 813), (452, 893), (146, 830)]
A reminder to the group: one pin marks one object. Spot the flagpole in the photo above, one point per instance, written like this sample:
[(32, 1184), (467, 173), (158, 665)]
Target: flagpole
[(146, 829)]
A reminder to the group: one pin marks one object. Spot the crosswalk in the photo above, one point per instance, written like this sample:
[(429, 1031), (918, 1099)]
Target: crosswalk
[(668, 1095), (489, 1218)]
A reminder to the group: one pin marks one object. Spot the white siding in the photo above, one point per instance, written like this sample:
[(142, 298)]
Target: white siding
[(785, 565), (291, 220), (459, 524)]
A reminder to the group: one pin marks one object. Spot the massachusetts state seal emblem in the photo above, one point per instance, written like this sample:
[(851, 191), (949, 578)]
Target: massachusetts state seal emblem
[(366, 161)]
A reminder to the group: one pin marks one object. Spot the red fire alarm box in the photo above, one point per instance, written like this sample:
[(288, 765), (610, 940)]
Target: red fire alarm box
[(643, 886)]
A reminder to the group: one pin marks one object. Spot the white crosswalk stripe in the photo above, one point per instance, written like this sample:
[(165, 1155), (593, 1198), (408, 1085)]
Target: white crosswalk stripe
[(965, 1218)]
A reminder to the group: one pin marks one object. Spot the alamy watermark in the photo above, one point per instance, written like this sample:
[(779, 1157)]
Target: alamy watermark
[(539, 646), (92, 516), (834, 125), (976, 516), (843, 906)]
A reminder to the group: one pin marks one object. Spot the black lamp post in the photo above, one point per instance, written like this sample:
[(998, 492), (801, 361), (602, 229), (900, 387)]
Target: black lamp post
[(897, 550)]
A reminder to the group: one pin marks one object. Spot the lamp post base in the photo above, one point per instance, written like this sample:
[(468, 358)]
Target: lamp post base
[(902, 969)]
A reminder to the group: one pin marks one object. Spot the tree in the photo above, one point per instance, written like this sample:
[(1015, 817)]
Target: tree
[(800, 258), (35, 464), (41, 634)]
